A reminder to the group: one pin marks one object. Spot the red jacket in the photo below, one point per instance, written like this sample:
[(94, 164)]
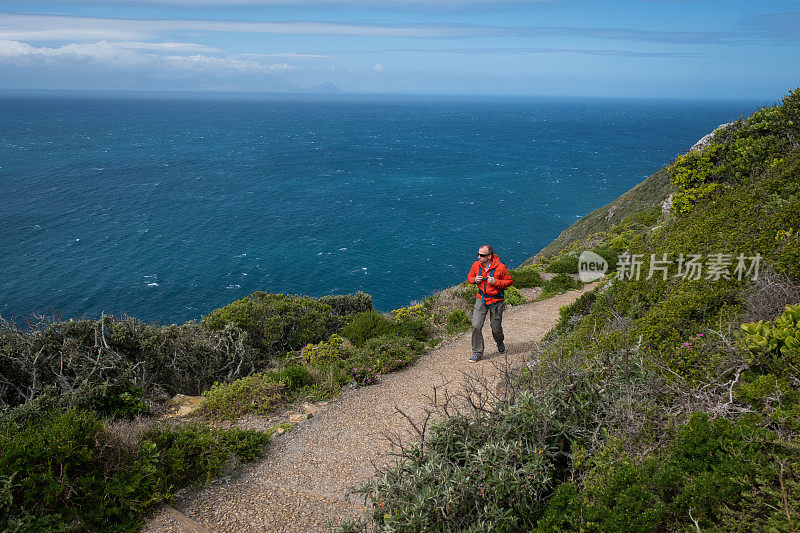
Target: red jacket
[(502, 280)]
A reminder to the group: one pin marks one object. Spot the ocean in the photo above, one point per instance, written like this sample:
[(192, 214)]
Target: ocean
[(166, 207)]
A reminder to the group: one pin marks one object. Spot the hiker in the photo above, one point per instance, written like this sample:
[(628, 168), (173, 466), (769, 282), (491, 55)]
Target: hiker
[(492, 278)]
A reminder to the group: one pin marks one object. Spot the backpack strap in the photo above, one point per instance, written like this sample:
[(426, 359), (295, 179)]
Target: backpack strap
[(500, 293)]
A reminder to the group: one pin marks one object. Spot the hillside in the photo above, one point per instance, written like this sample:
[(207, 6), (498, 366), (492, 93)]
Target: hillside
[(668, 398), (648, 194)]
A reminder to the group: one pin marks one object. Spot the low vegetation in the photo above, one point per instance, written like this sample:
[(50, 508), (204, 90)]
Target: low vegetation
[(82, 447)]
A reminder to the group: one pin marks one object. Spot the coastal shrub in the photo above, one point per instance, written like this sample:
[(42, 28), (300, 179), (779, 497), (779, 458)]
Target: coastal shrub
[(640, 220), (526, 277), (116, 365), (493, 471), (569, 314), (256, 394), (468, 293), (566, 264), (773, 396), (328, 352), (513, 297), (193, 453), (680, 314), (721, 475), (389, 353), (411, 313), (366, 325), (363, 375), (64, 473), (611, 254), (292, 377), (277, 323), (348, 304), (457, 322), (775, 345), (440, 304), (184, 358), (420, 330), (693, 174), (560, 283)]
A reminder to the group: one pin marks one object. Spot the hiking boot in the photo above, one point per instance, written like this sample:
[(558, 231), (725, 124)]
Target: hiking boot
[(475, 358), (501, 347)]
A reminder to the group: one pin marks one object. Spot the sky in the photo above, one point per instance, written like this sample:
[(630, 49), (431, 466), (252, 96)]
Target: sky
[(636, 48)]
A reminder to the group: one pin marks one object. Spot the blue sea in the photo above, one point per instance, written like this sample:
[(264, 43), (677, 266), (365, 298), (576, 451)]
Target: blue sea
[(166, 207)]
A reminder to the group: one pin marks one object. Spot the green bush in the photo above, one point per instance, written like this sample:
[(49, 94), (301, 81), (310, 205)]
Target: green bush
[(566, 264), (364, 326), (348, 304), (526, 277), (681, 313), (693, 175), (492, 473), (416, 313), (328, 352), (513, 297), (63, 473), (367, 325), (293, 377), (725, 476), (277, 323), (417, 329), (776, 344), (458, 322), (389, 353), (560, 283), (228, 401)]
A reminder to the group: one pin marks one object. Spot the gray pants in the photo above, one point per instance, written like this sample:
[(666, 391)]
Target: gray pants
[(479, 317)]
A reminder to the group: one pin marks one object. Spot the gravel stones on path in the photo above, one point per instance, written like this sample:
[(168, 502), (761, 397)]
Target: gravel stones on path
[(306, 479)]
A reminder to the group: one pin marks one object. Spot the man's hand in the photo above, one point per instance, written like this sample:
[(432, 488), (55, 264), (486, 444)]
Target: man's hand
[(491, 280), (478, 278)]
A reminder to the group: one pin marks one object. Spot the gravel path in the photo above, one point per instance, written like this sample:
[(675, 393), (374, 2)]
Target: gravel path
[(304, 481)]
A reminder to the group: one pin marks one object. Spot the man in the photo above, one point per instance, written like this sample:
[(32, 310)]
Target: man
[(492, 278)]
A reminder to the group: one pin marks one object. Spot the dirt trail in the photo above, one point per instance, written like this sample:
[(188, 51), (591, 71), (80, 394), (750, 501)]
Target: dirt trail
[(304, 481)]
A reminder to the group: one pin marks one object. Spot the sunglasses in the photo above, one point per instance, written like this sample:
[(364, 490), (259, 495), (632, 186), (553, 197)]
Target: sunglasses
[(484, 255)]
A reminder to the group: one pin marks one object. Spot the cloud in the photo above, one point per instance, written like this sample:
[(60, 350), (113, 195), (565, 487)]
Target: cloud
[(59, 28), (206, 63), (378, 67), (775, 26), (123, 55), (55, 28), (654, 36), (166, 47), (528, 50), (290, 55), (102, 52), (355, 4)]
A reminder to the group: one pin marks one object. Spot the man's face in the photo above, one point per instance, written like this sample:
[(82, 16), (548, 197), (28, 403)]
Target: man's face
[(483, 254)]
